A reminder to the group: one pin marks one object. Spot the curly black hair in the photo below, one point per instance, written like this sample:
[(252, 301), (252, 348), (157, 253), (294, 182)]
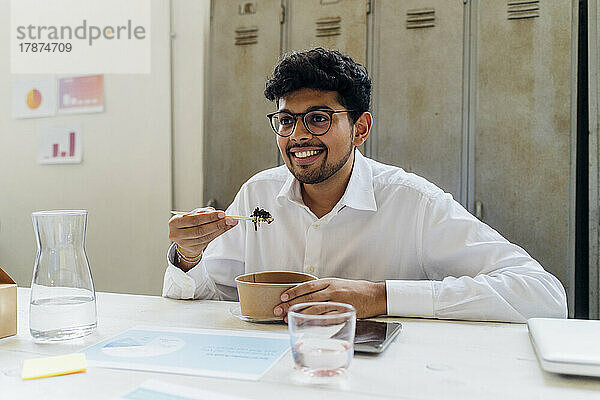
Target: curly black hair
[(322, 69)]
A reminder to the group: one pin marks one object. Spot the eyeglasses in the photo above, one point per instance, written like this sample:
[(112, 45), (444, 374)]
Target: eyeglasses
[(316, 122)]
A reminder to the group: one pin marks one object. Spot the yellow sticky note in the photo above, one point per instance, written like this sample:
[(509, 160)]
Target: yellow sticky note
[(53, 366)]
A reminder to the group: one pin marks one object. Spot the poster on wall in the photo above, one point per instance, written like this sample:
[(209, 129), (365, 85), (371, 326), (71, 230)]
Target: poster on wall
[(34, 97), (59, 144), (81, 94)]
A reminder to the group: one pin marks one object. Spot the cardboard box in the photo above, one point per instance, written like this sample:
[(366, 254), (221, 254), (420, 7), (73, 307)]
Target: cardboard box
[(8, 305)]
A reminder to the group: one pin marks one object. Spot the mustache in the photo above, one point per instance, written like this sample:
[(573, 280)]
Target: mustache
[(307, 144)]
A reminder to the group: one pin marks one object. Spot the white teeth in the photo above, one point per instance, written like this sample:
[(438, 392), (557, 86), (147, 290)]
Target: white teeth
[(304, 154)]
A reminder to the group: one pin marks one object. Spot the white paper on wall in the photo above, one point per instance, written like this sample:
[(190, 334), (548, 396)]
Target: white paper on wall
[(34, 97), (81, 94), (59, 144)]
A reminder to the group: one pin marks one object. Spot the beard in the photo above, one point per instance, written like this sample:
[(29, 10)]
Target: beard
[(312, 174)]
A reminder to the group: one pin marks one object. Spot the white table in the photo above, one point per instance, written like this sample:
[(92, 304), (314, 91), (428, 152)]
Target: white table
[(430, 359)]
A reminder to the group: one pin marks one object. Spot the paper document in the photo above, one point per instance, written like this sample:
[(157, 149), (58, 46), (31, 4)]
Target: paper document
[(53, 366), (34, 97), (206, 352), (81, 94), (157, 390)]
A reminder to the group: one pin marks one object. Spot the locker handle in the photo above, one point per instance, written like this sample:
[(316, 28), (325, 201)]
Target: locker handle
[(478, 209)]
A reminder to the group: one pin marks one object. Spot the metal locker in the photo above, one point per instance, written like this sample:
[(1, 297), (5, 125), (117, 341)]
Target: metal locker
[(418, 91), (331, 24), (238, 140), (523, 120)]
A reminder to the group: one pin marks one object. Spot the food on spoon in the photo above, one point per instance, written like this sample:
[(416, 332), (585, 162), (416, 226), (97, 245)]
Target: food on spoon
[(259, 215)]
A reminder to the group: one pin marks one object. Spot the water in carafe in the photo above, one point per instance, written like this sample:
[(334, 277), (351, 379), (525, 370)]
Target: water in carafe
[(63, 301)]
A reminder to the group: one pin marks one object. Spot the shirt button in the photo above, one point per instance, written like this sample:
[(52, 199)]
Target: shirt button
[(311, 269), (316, 226)]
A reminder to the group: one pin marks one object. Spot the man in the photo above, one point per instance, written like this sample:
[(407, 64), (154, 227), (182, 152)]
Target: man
[(383, 240)]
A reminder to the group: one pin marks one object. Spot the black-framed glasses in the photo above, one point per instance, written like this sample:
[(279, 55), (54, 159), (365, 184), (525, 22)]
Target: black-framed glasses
[(316, 122)]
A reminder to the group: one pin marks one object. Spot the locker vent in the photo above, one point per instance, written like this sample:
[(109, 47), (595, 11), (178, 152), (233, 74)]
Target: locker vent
[(421, 18), (247, 8), (523, 9), (329, 26), (246, 35)]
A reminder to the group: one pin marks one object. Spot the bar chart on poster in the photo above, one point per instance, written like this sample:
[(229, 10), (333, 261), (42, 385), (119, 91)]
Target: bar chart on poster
[(81, 94), (59, 144)]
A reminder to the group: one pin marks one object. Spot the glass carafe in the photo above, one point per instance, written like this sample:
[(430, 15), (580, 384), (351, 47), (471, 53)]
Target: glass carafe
[(63, 301)]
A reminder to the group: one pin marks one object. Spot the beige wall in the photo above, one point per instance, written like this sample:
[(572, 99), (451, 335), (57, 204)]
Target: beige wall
[(127, 189), (191, 23)]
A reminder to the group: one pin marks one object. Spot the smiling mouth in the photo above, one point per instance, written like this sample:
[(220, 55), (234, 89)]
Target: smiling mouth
[(306, 154), (305, 157)]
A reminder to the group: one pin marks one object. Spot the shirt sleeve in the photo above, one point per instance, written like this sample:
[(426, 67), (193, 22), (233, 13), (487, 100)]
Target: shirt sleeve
[(474, 273), (213, 278), (194, 284)]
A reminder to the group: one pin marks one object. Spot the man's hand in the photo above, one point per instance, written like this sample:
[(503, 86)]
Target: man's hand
[(194, 231), (368, 298)]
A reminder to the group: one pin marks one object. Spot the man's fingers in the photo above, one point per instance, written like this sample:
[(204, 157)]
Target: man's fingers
[(197, 232), (197, 245), (201, 209), (203, 234), (196, 219), (210, 237), (205, 217), (323, 309), (282, 309), (305, 288)]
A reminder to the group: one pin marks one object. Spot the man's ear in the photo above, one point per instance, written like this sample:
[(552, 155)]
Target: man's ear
[(362, 128)]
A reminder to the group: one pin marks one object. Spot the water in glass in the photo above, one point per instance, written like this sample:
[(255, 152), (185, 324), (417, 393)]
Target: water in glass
[(322, 344), (63, 301)]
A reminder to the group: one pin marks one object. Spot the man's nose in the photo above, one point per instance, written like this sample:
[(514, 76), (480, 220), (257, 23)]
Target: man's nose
[(300, 133)]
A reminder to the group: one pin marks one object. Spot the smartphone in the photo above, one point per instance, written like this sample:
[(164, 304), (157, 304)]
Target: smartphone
[(373, 336)]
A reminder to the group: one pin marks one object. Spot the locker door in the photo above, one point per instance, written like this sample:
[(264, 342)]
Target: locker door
[(418, 91), (524, 169), (331, 24), (238, 140)]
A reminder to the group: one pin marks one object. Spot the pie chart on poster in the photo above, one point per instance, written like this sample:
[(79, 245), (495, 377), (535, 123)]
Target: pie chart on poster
[(142, 347), (34, 99)]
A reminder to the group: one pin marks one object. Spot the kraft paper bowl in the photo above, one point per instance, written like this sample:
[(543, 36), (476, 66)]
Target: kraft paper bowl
[(260, 292)]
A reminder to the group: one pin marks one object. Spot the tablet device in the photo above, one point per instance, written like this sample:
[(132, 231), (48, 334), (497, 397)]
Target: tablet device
[(566, 346), (373, 336)]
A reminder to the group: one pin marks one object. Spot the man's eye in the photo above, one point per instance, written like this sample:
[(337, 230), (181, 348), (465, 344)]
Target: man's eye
[(319, 118), (285, 121)]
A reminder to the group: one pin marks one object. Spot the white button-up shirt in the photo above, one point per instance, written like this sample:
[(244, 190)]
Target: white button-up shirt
[(438, 261)]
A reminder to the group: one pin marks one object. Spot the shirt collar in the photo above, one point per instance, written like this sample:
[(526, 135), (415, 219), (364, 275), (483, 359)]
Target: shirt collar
[(290, 190), (359, 193)]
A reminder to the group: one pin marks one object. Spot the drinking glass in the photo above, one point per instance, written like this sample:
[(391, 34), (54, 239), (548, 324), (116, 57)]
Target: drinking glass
[(63, 301), (322, 337)]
